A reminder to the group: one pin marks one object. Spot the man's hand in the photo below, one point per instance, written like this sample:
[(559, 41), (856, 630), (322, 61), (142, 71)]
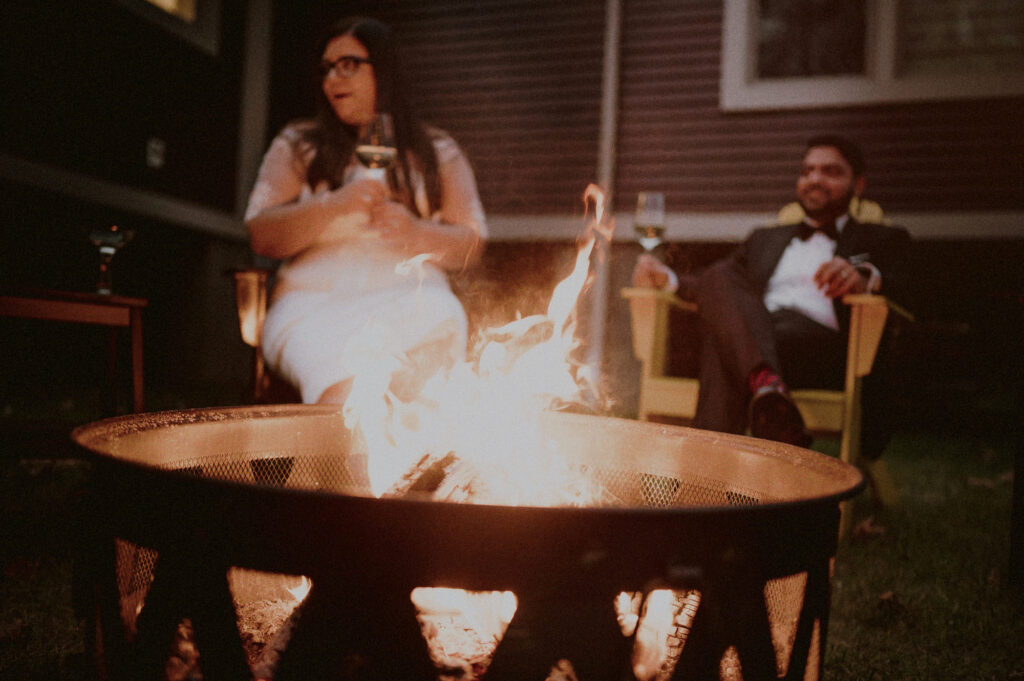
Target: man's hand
[(649, 272), (837, 277)]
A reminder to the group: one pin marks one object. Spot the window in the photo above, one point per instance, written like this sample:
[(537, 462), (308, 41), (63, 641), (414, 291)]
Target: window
[(183, 9), (801, 39), (805, 53), (196, 21)]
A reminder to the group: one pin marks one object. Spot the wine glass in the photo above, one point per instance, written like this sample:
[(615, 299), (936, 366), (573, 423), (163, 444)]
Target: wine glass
[(108, 241), (375, 147), (649, 219)]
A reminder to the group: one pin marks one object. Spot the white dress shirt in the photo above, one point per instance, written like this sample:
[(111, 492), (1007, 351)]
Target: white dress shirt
[(792, 284)]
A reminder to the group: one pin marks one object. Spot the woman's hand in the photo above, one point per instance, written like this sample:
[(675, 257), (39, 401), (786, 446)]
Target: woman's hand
[(398, 228), (287, 229), (408, 235), (361, 196), (347, 209)]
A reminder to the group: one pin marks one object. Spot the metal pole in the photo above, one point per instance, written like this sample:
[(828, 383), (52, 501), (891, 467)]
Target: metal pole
[(252, 123), (606, 180)]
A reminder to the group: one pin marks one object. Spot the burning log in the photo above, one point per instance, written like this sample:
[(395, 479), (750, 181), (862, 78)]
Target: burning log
[(446, 478), (424, 477)]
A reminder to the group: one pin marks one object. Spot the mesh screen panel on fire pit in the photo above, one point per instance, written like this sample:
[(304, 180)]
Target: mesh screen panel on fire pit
[(742, 531)]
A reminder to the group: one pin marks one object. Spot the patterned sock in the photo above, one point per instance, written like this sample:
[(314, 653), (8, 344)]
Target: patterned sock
[(764, 376)]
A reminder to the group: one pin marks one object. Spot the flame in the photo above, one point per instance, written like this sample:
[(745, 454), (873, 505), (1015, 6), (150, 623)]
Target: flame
[(479, 421), (627, 611), (414, 265), (661, 624), (479, 418), (652, 633), (301, 590), (479, 409)]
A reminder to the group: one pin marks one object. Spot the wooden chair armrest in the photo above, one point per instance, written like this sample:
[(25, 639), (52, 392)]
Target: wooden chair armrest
[(868, 313), (248, 271), (670, 299), (649, 311), (877, 299), (251, 301)]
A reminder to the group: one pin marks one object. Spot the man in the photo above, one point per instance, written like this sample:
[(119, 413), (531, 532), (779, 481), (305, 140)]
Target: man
[(771, 312)]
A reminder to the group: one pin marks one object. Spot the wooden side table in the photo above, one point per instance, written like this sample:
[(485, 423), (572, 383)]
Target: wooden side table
[(87, 308)]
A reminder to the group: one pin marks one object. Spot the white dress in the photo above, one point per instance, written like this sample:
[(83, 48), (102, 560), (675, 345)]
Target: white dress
[(342, 293)]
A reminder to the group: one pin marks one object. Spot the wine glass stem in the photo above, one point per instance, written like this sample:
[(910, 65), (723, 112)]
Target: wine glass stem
[(105, 284)]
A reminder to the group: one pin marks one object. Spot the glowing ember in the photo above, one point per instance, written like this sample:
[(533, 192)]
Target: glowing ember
[(463, 628), (661, 629)]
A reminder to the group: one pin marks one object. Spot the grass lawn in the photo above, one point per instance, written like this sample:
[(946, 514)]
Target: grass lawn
[(921, 595), (40, 637), (927, 597)]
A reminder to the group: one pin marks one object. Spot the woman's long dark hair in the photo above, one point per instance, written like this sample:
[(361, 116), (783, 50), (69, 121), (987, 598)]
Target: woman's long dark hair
[(335, 141)]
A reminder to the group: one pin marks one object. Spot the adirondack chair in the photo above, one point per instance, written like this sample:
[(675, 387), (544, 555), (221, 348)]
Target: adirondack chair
[(836, 413)]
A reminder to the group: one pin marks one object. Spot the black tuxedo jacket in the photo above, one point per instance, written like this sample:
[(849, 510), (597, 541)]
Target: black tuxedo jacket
[(883, 246), (752, 264)]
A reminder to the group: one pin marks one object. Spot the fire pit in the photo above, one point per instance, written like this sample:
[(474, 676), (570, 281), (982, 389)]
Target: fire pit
[(742, 531)]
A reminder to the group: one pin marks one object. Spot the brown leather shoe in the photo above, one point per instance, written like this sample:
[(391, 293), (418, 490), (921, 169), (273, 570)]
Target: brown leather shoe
[(773, 416)]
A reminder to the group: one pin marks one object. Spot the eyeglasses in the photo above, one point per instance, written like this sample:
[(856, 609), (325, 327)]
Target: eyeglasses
[(345, 66)]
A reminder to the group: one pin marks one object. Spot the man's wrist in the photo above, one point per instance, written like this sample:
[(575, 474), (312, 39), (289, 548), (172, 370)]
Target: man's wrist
[(871, 275), (671, 283)]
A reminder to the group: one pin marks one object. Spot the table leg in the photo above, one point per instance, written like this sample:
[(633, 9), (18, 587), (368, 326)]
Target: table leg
[(114, 399), (137, 384)]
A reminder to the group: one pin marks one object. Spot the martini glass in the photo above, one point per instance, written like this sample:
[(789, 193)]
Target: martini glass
[(108, 241)]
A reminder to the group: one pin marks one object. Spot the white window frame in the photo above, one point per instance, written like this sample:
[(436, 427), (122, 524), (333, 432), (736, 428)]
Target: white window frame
[(203, 32), (740, 89)]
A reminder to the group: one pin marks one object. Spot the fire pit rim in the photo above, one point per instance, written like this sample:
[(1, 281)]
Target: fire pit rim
[(178, 417), (601, 550)]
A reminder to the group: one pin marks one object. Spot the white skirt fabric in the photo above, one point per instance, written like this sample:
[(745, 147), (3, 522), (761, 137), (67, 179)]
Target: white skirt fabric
[(338, 307)]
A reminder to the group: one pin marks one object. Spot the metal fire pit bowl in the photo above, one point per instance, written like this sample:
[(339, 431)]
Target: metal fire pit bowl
[(183, 498)]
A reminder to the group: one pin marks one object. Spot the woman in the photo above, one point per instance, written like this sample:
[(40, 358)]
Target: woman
[(342, 232)]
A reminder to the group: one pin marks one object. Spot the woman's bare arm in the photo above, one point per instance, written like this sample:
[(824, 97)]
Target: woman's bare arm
[(282, 231)]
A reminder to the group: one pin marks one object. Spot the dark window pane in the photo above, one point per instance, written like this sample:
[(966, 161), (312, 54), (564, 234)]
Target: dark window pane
[(960, 36), (810, 38), (183, 9)]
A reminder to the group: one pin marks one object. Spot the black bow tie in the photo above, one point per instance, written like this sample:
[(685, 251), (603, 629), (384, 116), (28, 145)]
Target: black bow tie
[(806, 230)]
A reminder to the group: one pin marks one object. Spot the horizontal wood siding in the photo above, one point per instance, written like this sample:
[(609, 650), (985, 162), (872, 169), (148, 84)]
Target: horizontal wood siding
[(936, 156), (518, 84), (86, 85)]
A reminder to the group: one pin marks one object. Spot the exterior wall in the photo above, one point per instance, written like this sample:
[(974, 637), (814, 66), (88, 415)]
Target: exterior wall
[(518, 84), (88, 83), (933, 156)]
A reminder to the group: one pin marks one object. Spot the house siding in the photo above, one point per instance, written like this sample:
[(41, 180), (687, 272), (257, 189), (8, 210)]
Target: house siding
[(518, 83), (944, 155)]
